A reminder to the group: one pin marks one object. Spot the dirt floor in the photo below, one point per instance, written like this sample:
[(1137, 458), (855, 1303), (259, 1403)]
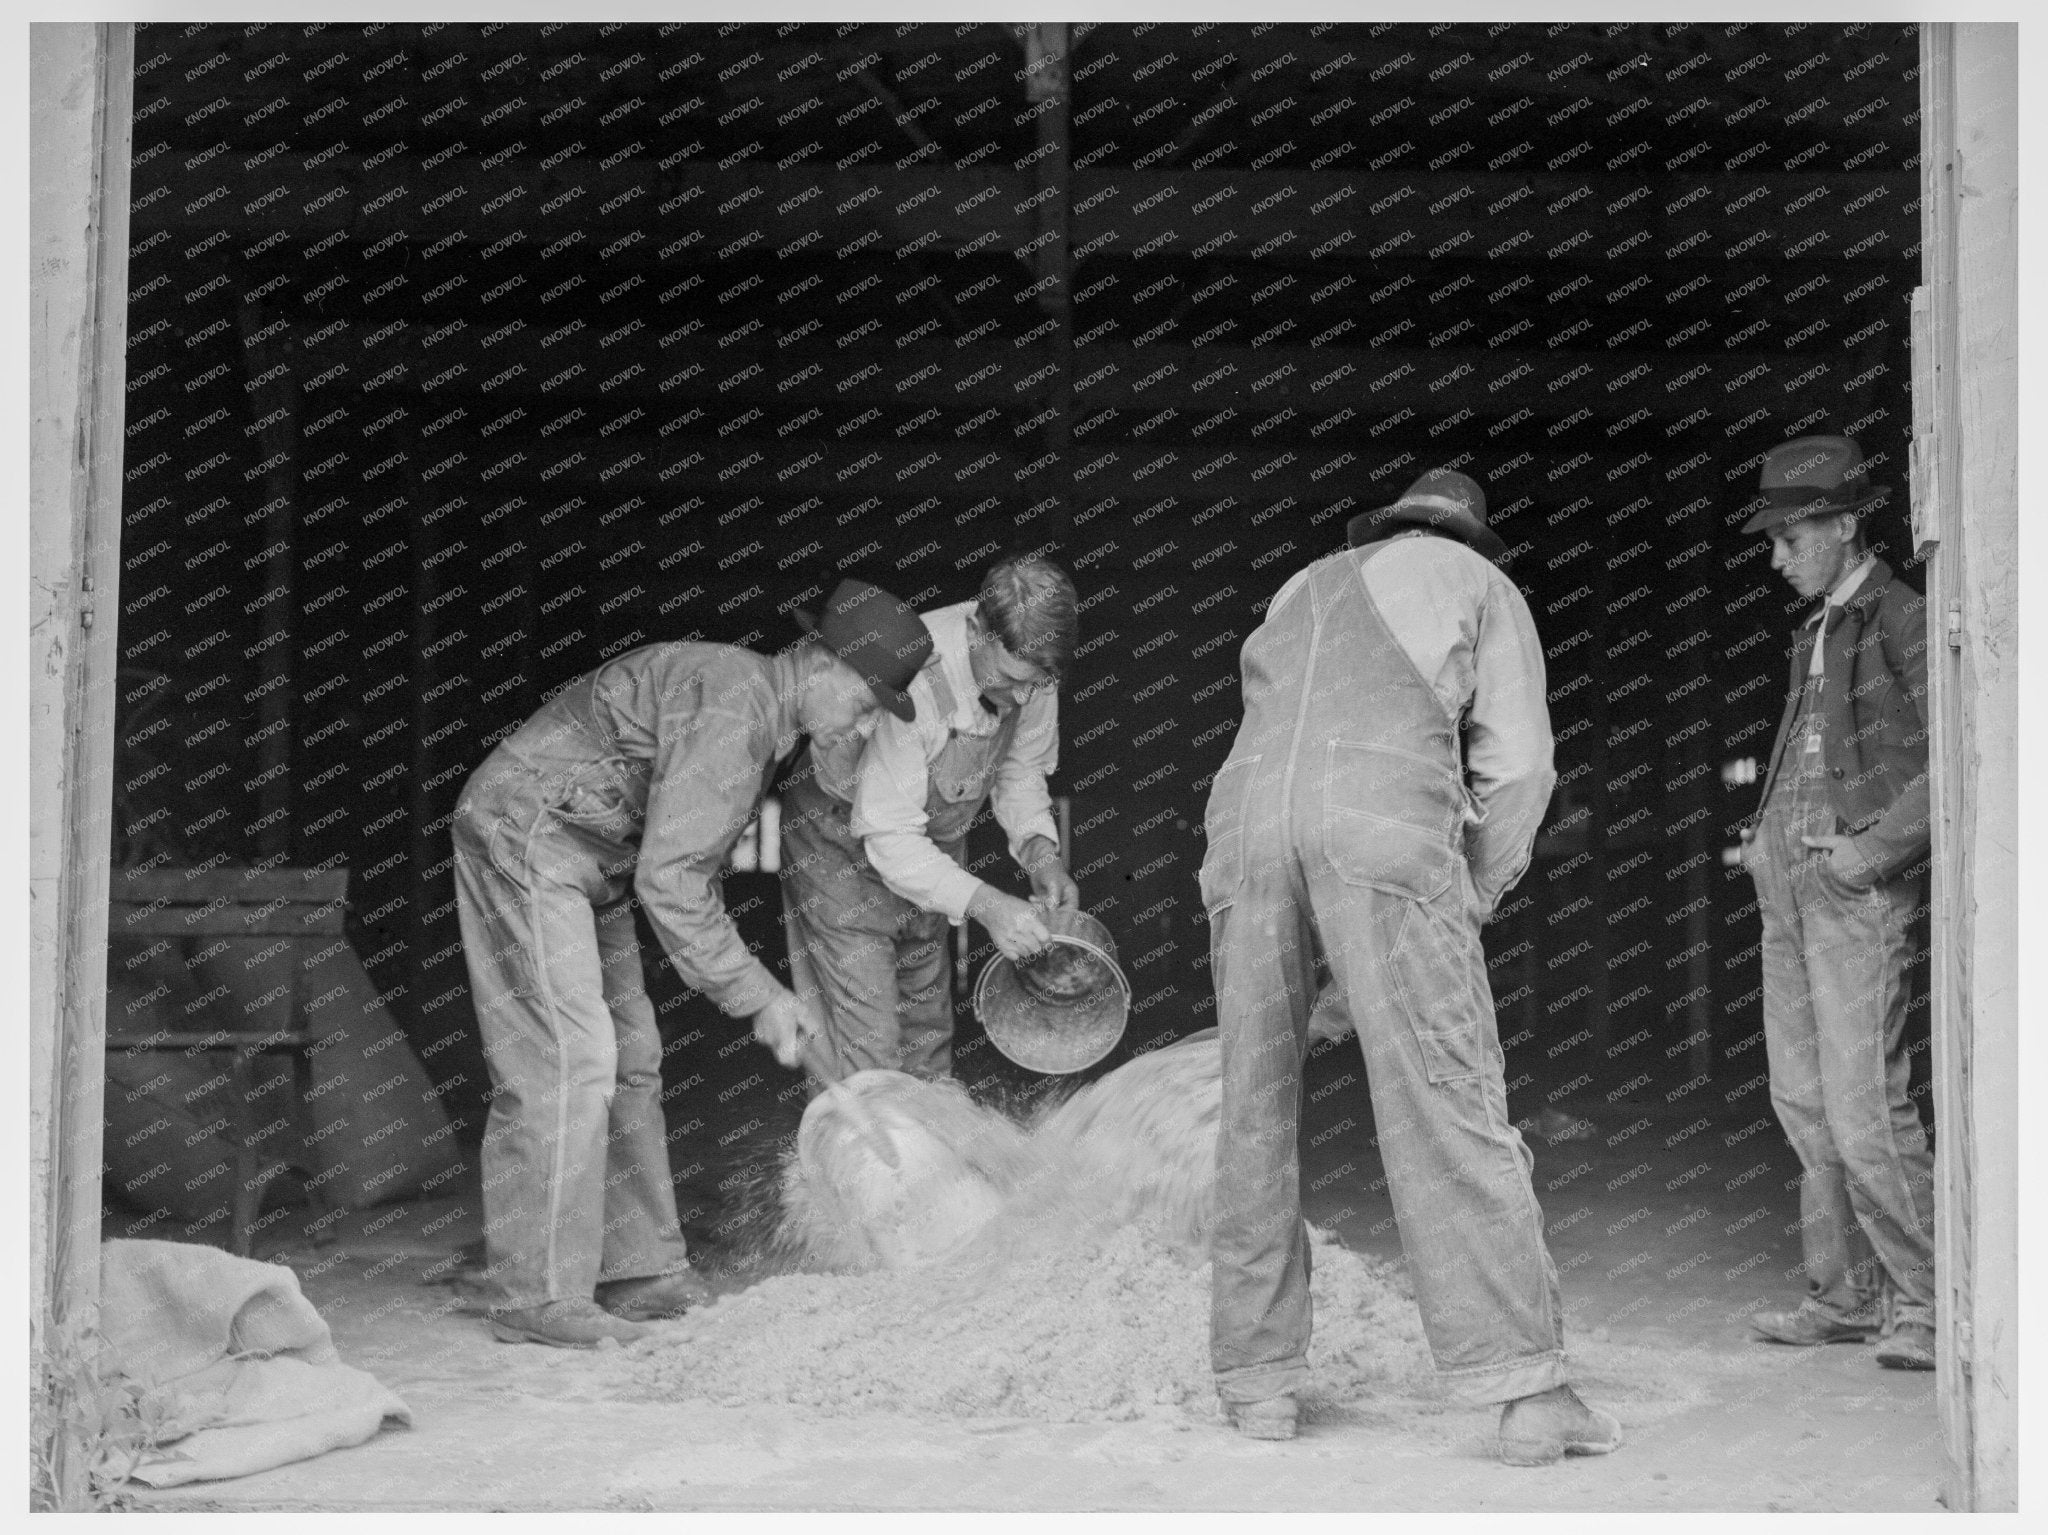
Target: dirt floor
[(1668, 1232)]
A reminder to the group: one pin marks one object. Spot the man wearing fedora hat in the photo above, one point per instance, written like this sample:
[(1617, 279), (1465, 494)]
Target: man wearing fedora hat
[(874, 834), (634, 781), (1382, 793), (1838, 850)]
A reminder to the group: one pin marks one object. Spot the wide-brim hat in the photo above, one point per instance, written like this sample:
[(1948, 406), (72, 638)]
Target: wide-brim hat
[(880, 636), (1444, 500), (1812, 477)]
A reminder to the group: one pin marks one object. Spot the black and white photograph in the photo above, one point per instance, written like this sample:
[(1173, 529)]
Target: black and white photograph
[(1154, 764)]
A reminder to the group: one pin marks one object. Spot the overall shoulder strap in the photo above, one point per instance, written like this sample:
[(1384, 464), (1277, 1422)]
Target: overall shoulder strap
[(942, 693)]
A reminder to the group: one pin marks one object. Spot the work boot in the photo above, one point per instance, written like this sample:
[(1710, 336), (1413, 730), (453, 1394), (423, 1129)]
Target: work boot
[(1536, 1430), (561, 1324), (652, 1299), (1273, 1418), (1910, 1347), (1810, 1325)]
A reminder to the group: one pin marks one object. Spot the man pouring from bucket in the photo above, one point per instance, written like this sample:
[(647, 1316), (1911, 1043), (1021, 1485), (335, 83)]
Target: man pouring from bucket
[(633, 781), (1382, 793), (874, 834)]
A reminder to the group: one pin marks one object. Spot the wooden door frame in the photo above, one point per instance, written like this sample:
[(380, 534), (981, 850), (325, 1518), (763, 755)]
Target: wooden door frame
[(81, 91), (1965, 505), (1965, 491)]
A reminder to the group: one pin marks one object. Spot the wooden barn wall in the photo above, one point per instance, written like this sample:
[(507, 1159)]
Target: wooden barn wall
[(463, 357)]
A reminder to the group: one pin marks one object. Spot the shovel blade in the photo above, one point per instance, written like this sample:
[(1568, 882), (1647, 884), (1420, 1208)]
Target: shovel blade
[(849, 1103)]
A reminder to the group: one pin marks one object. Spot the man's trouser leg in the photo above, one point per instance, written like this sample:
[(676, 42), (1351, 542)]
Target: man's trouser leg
[(841, 923), (1413, 980), (1413, 976), (1841, 1270), (1261, 958), (538, 982), (642, 1236), (1857, 950), (924, 989)]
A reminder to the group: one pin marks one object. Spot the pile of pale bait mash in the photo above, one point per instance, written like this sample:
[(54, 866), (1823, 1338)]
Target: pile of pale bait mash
[(1053, 1270)]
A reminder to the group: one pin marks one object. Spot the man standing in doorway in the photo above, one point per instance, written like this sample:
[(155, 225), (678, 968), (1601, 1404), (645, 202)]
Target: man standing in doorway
[(874, 835), (1382, 794), (635, 780), (1838, 850)]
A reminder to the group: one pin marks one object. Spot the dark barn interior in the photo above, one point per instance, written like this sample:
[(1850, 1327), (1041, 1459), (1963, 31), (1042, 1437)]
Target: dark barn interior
[(463, 357)]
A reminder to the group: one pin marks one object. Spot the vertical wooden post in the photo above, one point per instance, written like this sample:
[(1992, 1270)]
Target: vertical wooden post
[(428, 708), (275, 401), (80, 95), (1933, 474), (1699, 938), (529, 622), (1602, 800), (1047, 78), (1966, 485)]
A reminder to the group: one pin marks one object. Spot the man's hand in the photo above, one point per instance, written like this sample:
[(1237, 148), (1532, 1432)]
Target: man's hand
[(784, 1024), (1747, 850), (1018, 930), (1050, 881), (1844, 862)]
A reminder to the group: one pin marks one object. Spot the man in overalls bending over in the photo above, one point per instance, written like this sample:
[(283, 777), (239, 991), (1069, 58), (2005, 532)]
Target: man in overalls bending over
[(635, 780), (1381, 795), (874, 836)]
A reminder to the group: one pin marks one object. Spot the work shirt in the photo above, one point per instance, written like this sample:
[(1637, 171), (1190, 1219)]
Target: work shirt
[(1798, 805), (1468, 631), (1843, 591), (1800, 797), (902, 784), (662, 755), (1858, 716)]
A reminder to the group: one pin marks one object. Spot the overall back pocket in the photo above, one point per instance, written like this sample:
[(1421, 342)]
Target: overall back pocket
[(1390, 819), (1223, 822)]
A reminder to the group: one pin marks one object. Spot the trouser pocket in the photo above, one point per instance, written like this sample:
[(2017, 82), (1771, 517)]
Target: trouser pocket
[(602, 798), (1391, 819), (1854, 897), (1223, 825), (1438, 972)]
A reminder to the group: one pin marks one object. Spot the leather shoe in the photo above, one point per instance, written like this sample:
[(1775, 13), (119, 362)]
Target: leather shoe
[(1810, 1325), (562, 1324), (1276, 1417), (1536, 1430), (654, 1298), (1910, 1347)]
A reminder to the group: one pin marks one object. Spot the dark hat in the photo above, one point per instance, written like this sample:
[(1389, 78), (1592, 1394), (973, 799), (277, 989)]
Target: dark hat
[(1812, 477), (878, 635), (1443, 499)]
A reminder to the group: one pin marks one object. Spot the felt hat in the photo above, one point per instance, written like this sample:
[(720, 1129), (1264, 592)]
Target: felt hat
[(1811, 477), (1443, 499), (879, 636)]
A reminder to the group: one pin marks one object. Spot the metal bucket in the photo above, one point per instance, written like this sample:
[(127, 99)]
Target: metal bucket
[(1064, 1010)]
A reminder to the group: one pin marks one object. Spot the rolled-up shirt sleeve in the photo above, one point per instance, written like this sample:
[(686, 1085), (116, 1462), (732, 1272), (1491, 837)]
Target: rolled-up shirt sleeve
[(705, 788), (1019, 797), (1508, 744), (888, 815)]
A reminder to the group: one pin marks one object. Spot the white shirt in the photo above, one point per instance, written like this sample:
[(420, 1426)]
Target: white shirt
[(892, 778), (1844, 590)]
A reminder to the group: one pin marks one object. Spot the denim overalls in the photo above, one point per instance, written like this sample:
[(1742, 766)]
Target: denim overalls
[(1335, 830)]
